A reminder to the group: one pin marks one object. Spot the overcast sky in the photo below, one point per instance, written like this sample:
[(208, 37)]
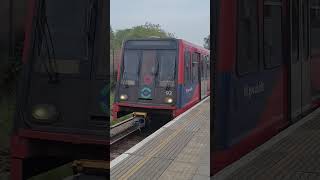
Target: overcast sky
[(187, 19)]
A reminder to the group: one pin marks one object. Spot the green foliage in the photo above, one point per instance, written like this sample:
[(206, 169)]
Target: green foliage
[(142, 31), (207, 42)]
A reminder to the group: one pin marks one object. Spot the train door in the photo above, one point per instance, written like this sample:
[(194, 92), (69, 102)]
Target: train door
[(300, 91)]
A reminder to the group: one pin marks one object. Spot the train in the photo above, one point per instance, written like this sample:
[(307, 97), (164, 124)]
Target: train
[(62, 109), (161, 76), (266, 73)]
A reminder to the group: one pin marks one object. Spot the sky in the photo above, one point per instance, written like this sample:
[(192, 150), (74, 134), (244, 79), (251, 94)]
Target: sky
[(187, 19)]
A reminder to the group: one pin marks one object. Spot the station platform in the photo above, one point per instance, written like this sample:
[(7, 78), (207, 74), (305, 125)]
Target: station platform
[(178, 150), (293, 154)]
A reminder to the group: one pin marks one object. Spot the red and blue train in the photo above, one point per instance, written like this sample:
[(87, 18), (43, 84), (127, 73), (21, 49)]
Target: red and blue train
[(266, 73), (161, 76)]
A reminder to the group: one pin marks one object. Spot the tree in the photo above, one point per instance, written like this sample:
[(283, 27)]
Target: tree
[(207, 42), (142, 31), (111, 37)]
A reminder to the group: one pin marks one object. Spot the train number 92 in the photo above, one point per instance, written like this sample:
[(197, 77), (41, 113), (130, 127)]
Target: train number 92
[(169, 93)]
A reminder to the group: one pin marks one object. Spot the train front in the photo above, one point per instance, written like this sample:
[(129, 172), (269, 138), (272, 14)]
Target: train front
[(147, 77)]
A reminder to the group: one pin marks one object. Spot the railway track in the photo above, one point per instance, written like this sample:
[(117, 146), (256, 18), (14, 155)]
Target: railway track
[(125, 144), (121, 146)]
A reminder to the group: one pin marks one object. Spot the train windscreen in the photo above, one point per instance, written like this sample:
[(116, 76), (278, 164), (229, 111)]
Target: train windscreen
[(148, 66), (130, 67), (156, 64), (167, 63), (59, 45)]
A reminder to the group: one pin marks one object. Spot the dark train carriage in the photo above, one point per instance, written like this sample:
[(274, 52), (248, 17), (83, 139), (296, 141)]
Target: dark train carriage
[(62, 102), (161, 76), (265, 74)]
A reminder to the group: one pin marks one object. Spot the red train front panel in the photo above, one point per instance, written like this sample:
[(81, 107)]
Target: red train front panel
[(151, 77), (60, 92)]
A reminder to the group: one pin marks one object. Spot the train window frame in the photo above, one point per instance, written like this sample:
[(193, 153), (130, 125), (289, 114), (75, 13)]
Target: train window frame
[(314, 24), (187, 68), (171, 82), (207, 67), (194, 62), (256, 68), (270, 64), (202, 68), (135, 82)]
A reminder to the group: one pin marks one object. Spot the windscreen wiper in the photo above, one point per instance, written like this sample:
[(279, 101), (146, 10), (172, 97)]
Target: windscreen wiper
[(91, 26), (171, 78), (41, 26), (124, 80)]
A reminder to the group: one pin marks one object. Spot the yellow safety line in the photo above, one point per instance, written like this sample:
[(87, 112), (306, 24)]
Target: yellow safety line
[(147, 157)]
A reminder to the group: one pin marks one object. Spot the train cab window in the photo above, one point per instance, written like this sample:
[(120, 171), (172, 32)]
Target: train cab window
[(187, 72), (59, 46), (195, 66), (167, 65), (247, 54), (272, 34), (148, 65), (315, 28), (130, 67)]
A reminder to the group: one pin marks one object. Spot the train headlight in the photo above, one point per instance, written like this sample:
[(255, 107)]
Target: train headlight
[(123, 97), (44, 113), (168, 100)]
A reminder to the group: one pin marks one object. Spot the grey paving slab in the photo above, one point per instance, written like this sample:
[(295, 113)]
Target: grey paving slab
[(152, 169), (200, 177), (180, 151), (294, 157)]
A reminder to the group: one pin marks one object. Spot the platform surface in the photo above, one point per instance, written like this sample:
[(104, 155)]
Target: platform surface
[(294, 154), (178, 150)]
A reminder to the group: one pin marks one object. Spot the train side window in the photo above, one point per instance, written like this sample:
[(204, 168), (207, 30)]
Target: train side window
[(205, 72), (247, 55), (202, 67), (187, 58), (208, 67), (272, 34), (315, 28), (195, 65), (295, 31)]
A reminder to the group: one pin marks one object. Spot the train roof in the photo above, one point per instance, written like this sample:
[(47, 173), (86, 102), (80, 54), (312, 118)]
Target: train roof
[(172, 39)]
